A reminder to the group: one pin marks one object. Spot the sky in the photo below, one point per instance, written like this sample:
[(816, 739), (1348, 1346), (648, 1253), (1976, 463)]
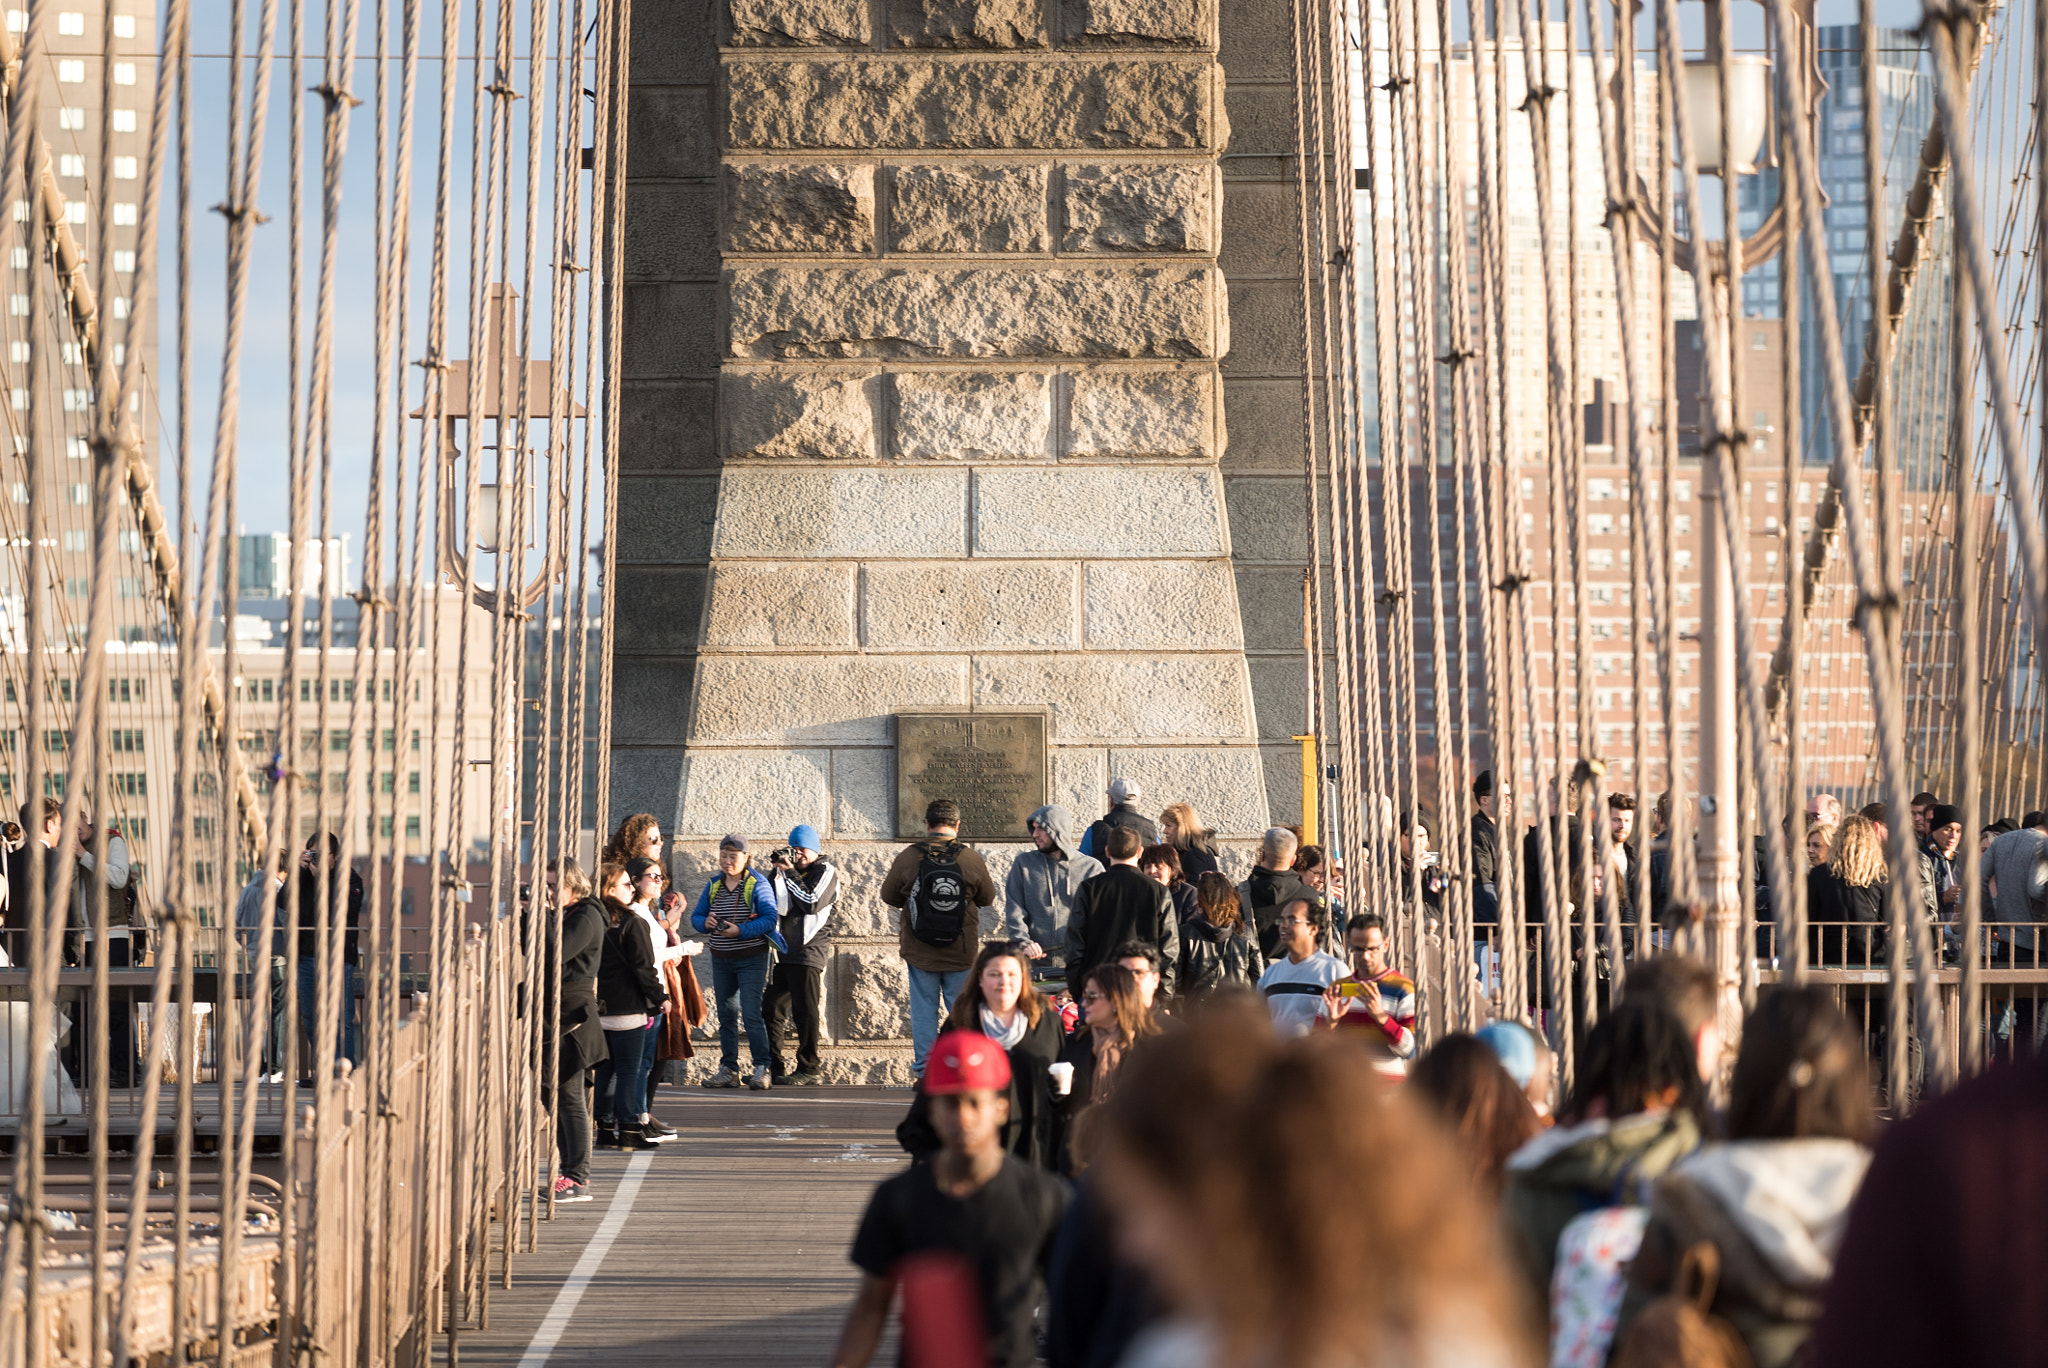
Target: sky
[(263, 493)]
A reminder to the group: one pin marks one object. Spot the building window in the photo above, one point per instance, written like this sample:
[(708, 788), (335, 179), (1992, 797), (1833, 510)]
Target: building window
[(124, 120), (124, 215), (71, 164), (337, 741), (412, 833), (71, 23), (124, 26), (74, 212), (124, 73), (71, 71), (124, 168), (71, 119), (132, 785)]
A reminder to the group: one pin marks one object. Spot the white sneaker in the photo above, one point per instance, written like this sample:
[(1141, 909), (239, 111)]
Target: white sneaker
[(760, 1082)]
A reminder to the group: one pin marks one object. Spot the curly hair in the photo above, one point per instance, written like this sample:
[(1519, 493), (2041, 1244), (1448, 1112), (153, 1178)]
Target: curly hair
[(632, 834), (1216, 896), (1858, 858)]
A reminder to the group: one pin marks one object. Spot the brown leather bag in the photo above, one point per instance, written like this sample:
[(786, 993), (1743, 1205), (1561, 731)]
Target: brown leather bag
[(1678, 1330), (685, 1011)]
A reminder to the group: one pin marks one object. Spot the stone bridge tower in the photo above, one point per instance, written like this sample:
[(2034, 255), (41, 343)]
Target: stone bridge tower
[(963, 371)]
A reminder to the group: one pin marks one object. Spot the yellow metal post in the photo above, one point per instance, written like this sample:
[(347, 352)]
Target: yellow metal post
[(1309, 784)]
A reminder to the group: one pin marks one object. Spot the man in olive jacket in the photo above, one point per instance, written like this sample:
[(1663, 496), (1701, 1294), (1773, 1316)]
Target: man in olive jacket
[(582, 1047), (942, 865)]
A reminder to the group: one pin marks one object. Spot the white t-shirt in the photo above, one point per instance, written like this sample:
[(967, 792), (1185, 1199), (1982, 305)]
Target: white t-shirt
[(1294, 992)]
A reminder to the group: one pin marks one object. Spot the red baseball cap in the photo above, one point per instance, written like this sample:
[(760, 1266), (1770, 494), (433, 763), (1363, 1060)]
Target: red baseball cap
[(965, 1060)]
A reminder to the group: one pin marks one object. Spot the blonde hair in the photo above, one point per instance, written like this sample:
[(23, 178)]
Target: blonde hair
[(1857, 858), (1186, 825), (1827, 836)]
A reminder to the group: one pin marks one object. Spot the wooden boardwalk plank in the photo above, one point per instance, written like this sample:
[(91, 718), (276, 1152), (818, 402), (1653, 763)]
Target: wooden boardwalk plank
[(735, 1248)]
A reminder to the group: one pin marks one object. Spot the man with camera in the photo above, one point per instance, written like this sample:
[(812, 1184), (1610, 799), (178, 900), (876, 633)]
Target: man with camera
[(806, 888), (737, 915)]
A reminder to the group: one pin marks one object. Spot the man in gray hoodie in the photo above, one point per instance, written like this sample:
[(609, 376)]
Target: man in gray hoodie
[(1038, 896)]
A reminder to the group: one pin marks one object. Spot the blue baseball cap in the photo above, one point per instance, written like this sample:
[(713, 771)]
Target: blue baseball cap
[(804, 837)]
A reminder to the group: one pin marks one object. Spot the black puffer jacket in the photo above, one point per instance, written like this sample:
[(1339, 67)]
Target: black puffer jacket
[(582, 933), (627, 983)]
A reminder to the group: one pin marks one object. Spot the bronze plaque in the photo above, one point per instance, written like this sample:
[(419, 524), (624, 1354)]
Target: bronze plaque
[(991, 764)]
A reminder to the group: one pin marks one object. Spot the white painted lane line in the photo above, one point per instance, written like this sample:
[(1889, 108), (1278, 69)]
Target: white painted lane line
[(557, 1319)]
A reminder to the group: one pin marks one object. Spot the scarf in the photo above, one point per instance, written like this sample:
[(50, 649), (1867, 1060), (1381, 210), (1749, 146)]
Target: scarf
[(1109, 1052), (1005, 1036)]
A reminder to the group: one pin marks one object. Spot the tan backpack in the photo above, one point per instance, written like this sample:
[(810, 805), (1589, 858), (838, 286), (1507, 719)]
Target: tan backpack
[(1678, 1330)]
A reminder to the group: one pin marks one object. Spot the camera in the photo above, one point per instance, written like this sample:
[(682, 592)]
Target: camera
[(525, 893), (781, 858)]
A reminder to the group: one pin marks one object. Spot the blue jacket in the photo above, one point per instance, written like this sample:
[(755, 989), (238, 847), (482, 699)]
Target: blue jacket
[(763, 925)]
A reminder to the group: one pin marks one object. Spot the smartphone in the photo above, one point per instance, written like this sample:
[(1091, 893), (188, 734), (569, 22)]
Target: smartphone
[(1350, 990)]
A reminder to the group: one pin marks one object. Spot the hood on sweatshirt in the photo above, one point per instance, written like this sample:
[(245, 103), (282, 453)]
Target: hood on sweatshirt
[(1789, 1198), (1059, 822)]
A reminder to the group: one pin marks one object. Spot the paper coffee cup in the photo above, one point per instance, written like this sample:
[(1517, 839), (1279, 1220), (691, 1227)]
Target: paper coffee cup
[(1062, 1078)]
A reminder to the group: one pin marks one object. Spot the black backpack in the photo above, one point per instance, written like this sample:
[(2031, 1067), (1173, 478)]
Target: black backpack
[(938, 897)]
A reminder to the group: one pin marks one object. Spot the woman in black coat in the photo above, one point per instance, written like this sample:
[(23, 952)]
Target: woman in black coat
[(629, 991), (582, 1047), (1845, 909), (1000, 1002)]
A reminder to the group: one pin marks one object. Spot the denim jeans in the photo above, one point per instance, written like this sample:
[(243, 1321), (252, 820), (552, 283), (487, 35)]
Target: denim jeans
[(622, 1078), (309, 1008), (738, 984), (572, 1126), (931, 997)]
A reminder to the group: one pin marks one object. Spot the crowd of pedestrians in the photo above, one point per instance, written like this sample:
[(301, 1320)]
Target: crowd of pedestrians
[(1162, 1118)]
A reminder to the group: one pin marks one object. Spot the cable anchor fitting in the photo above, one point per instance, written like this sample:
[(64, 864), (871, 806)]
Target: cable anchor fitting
[(1539, 95), (235, 213), (1456, 357)]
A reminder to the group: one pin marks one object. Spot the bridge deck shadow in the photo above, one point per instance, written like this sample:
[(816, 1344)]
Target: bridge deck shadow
[(735, 1248)]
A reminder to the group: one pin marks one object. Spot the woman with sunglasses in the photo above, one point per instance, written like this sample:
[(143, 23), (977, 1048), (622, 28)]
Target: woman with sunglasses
[(650, 898), (629, 992), (1001, 1004)]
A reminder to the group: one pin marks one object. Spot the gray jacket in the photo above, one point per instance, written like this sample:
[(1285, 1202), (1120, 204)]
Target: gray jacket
[(1038, 896), (2015, 863)]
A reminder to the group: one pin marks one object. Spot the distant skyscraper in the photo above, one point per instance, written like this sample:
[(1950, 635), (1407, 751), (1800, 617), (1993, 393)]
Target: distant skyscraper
[(1905, 112)]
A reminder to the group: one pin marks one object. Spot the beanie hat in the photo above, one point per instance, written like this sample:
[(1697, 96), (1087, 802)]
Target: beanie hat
[(1512, 1044), (804, 837), (962, 1061), (1944, 814)]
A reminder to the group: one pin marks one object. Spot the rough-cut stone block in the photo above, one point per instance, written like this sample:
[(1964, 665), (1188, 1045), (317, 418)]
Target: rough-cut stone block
[(968, 208), (805, 23), (863, 795), (968, 607), (666, 428), (650, 700), (1279, 695), (670, 134), (764, 511), (1124, 698), (874, 994), (1265, 328), (1227, 785), (1265, 426), (754, 792), (1004, 415), (1282, 764), (1261, 132), (876, 103), (1269, 602), (1257, 40), (783, 700), (800, 207), (1097, 511), (671, 233), (1260, 230), (646, 779), (670, 332), (1159, 605), (1123, 414), (799, 414), (671, 522), (1080, 780), (966, 24), (675, 42), (1137, 23), (1152, 312), (1268, 521), (658, 611), (1138, 208), (801, 604)]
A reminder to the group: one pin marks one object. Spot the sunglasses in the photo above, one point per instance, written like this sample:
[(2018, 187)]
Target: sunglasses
[(1091, 996)]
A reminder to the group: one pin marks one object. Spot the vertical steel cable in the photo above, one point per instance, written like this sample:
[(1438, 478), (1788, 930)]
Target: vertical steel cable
[(1791, 912), (1872, 591), (614, 61), (1305, 78), (1550, 803), (1968, 683)]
